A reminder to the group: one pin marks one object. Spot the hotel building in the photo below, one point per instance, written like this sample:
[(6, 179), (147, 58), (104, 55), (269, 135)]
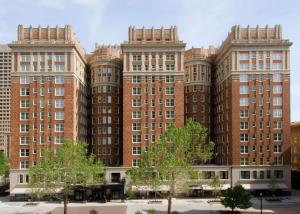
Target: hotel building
[(153, 88), (48, 95)]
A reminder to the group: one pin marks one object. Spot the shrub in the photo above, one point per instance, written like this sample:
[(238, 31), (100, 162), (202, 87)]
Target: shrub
[(93, 211), (138, 212), (174, 212), (152, 211)]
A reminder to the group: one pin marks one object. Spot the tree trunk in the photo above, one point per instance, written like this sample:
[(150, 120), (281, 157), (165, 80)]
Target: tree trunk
[(65, 203), (169, 203)]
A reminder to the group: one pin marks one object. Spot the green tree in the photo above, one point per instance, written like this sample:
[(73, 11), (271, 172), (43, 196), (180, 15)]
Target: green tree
[(4, 164), (169, 161), (236, 197), (273, 185), (63, 168), (216, 185)]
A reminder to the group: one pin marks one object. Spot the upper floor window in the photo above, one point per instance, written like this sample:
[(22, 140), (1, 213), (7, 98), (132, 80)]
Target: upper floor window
[(244, 89), (59, 79), (277, 78), (137, 57), (25, 57), (24, 79), (169, 78), (243, 77), (60, 58), (277, 89), (276, 56), (170, 57), (59, 91), (244, 56), (25, 91)]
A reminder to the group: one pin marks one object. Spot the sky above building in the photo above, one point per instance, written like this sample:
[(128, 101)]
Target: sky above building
[(200, 22)]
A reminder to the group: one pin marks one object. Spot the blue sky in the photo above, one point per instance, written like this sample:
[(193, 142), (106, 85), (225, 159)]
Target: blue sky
[(200, 22)]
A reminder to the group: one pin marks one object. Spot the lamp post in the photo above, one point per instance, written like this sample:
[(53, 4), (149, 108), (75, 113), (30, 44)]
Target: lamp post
[(260, 194)]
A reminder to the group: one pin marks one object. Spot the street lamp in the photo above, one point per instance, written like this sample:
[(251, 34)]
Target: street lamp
[(260, 194)]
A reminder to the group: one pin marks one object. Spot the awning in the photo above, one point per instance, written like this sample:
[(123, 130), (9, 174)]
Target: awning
[(208, 187), (164, 188), (263, 186), (27, 190)]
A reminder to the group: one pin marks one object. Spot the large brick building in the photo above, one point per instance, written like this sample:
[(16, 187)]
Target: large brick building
[(153, 88), (48, 95), (239, 91), (295, 146)]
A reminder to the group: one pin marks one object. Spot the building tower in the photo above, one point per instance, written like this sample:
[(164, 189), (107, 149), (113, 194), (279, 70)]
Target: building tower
[(252, 123), (5, 69), (153, 88), (198, 64), (106, 71), (48, 96)]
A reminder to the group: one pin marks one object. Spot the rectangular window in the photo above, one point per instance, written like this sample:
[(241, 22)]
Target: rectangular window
[(136, 103), (59, 103), (244, 56), (136, 150), (24, 115), (24, 164), (244, 137), (24, 127), (277, 89), (59, 139), (244, 101), (170, 114), (24, 91), (59, 91), (277, 66), (244, 113), (244, 149), (25, 79), (136, 126), (24, 152), (136, 162), (136, 115), (170, 91), (244, 66), (277, 125), (59, 58), (136, 91), (136, 138), (169, 78), (170, 102), (277, 78), (24, 140), (245, 175), (59, 127), (277, 113), (277, 148), (60, 115), (244, 89), (243, 77), (244, 161), (136, 79), (170, 67), (277, 101), (59, 79), (277, 137), (244, 125)]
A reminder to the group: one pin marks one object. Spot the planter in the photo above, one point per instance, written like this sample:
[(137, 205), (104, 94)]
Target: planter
[(155, 202)]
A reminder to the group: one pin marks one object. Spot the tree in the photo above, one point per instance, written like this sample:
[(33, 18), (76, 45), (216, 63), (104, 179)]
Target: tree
[(169, 161), (236, 197), (63, 168), (273, 185), (4, 164), (216, 185)]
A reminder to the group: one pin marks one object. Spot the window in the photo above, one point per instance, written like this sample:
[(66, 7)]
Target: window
[(169, 78), (24, 140), (244, 113), (278, 160), (136, 162), (137, 67), (277, 113), (24, 115), (170, 102), (169, 114), (136, 91), (277, 66), (243, 77), (136, 79), (244, 66), (169, 91), (24, 79), (278, 148), (136, 115), (25, 67), (244, 125), (245, 175), (59, 103), (137, 57), (24, 103), (244, 137), (25, 91), (170, 57), (136, 150), (277, 101), (244, 162), (136, 126), (59, 58), (24, 164), (24, 152), (170, 67), (244, 101), (244, 149), (59, 91), (276, 56), (59, 115), (277, 124), (261, 174), (24, 127), (59, 79), (136, 138), (136, 103), (277, 89), (277, 78), (244, 56), (59, 127), (277, 137), (59, 139), (278, 174), (244, 89)]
